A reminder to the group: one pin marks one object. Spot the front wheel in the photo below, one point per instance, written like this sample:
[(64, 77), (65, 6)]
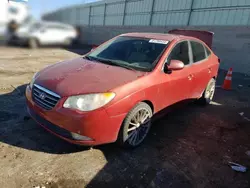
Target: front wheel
[(208, 94), (135, 126)]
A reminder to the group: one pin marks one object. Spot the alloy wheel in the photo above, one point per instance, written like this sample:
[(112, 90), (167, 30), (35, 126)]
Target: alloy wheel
[(139, 126), (210, 91)]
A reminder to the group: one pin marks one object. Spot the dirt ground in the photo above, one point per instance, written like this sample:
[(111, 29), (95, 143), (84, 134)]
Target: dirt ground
[(188, 146)]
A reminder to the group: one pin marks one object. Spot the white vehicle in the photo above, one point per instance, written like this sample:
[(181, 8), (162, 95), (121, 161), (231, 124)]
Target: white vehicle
[(45, 33), (11, 11)]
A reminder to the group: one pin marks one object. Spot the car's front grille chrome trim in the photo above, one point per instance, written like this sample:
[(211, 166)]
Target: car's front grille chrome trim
[(47, 91), (44, 97)]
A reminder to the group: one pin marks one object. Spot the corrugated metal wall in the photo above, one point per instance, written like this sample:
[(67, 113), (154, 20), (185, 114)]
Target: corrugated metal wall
[(156, 13)]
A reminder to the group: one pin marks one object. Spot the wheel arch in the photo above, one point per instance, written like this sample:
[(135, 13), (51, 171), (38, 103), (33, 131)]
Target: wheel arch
[(148, 102)]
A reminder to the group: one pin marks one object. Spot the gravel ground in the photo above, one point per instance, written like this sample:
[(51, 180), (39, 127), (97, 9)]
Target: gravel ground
[(188, 146)]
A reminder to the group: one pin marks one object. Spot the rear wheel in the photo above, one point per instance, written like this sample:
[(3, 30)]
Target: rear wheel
[(208, 94), (135, 126)]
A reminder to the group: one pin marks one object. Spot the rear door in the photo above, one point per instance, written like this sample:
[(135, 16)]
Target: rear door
[(201, 68)]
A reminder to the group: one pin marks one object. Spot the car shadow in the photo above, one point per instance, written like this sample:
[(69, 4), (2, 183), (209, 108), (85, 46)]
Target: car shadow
[(146, 165), (19, 130), (180, 137), (183, 147)]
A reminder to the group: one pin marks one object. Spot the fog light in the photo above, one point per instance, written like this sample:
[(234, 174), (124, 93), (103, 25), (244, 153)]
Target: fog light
[(80, 137)]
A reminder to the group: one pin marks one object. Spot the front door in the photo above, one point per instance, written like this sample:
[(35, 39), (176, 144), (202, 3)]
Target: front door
[(176, 86)]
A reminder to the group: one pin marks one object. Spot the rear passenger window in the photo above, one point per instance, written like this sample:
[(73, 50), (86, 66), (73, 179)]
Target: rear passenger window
[(198, 51), (180, 52)]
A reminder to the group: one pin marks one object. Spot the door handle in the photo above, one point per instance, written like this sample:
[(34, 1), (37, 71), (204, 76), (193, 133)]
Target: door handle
[(190, 77), (209, 70)]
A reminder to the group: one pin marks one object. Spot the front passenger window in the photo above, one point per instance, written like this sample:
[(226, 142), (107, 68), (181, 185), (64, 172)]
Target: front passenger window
[(180, 52)]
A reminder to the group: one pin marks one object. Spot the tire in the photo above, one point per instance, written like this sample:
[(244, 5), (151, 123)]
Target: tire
[(33, 43), (135, 126), (208, 93)]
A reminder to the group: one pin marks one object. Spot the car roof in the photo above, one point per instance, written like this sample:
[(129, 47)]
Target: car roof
[(158, 36), (46, 23)]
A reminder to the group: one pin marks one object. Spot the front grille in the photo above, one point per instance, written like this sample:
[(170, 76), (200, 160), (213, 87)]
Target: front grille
[(44, 97)]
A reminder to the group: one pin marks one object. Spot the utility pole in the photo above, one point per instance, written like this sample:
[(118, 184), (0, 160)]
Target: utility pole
[(190, 12)]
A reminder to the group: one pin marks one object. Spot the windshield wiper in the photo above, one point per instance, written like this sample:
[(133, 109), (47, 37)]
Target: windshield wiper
[(126, 67), (106, 61), (115, 64), (91, 58), (88, 58)]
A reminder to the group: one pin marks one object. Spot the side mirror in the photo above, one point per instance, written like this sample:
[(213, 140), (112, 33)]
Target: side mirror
[(174, 65)]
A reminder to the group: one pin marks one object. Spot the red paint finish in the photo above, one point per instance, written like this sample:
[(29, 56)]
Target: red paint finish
[(176, 65), (74, 73), (80, 76)]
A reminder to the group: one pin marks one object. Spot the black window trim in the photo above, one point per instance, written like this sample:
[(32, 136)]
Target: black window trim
[(201, 61), (190, 53)]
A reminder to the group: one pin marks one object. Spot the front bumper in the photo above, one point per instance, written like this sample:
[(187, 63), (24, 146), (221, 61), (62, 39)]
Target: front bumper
[(62, 122)]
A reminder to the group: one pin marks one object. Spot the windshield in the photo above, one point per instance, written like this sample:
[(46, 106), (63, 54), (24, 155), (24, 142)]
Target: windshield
[(130, 52)]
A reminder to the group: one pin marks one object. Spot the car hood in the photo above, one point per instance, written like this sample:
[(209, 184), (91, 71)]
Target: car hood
[(80, 76)]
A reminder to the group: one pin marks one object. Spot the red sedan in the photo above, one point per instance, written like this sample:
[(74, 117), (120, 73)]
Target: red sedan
[(111, 93)]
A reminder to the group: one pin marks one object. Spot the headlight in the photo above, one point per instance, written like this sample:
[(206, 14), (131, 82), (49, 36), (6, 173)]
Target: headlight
[(88, 102), (32, 80)]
